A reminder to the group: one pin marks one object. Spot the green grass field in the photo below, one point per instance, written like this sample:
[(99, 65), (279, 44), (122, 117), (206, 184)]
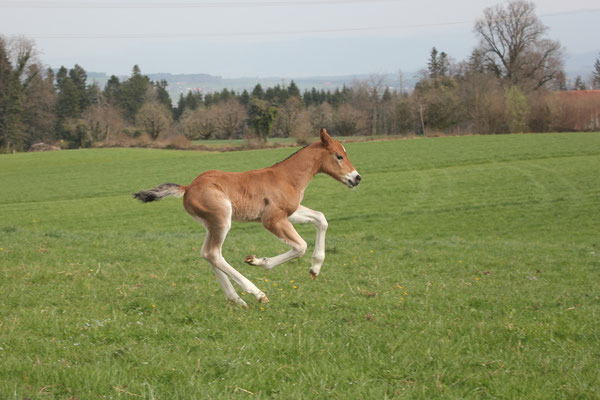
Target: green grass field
[(463, 267)]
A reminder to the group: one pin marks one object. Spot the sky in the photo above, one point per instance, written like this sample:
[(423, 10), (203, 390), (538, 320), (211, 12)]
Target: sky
[(246, 38)]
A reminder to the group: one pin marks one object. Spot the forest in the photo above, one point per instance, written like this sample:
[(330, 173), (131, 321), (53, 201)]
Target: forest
[(513, 81)]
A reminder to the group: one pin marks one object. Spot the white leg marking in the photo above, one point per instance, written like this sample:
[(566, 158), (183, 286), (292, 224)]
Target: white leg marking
[(286, 233), (295, 252), (228, 288), (305, 215), (211, 252), (240, 279)]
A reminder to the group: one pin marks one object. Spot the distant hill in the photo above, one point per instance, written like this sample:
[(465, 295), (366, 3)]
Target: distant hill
[(182, 83), (575, 64)]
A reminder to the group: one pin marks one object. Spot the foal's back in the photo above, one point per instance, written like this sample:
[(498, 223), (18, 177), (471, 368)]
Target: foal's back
[(248, 194)]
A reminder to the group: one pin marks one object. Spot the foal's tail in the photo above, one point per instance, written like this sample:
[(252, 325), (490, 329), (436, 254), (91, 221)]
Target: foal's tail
[(160, 192)]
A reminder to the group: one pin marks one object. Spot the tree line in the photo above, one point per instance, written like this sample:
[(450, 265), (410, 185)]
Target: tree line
[(510, 83)]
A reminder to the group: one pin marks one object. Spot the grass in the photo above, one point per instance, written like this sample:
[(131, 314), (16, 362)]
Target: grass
[(463, 267)]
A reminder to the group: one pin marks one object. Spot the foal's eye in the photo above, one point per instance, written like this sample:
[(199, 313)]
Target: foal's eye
[(340, 157)]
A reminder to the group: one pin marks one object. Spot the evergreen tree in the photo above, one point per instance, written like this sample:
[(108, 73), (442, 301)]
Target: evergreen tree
[(438, 65), (322, 96), (579, 84), (387, 95), (433, 65), (10, 108), (69, 98), (226, 95), (134, 93), (74, 96), (596, 74), (210, 99), (262, 116), (562, 82), (178, 112), (444, 65), (162, 95), (273, 94), (112, 90), (193, 100), (336, 98), (94, 94), (293, 90), (314, 96), (306, 97), (258, 92), (245, 98), (346, 94), (79, 78), (61, 76)]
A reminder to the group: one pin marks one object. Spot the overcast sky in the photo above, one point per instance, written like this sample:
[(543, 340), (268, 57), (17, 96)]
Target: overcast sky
[(240, 38)]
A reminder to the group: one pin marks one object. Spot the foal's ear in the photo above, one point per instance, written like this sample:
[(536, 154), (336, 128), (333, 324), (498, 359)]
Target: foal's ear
[(325, 138)]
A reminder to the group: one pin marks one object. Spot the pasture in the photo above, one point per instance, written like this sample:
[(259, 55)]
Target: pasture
[(462, 267)]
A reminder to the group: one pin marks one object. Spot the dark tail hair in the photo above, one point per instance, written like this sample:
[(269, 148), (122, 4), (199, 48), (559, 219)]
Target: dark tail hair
[(159, 192)]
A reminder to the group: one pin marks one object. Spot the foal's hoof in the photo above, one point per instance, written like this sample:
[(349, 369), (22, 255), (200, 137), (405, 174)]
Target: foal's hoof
[(263, 299), (313, 274), (239, 302), (251, 259)]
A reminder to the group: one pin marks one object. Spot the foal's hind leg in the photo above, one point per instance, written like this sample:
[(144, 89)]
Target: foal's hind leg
[(285, 231), (305, 215), (228, 288), (211, 252)]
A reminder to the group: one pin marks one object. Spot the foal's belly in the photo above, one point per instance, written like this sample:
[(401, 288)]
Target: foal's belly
[(246, 212)]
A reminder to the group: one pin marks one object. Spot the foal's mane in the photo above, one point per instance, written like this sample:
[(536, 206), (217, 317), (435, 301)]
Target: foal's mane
[(291, 155)]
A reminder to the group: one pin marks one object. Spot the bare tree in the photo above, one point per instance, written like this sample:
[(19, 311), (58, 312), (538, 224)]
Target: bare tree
[(197, 124), (302, 130), (400, 81), (482, 102), (153, 119), (230, 119), (350, 121), (321, 116), (26, 96), (22, 52), (289, 114), (39, 105), (512, 45), (366, 98), (104, 121)]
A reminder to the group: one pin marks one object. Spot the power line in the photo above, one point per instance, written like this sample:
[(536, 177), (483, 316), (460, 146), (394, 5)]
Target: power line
[(191, 35), (214, 4), (230, 34)]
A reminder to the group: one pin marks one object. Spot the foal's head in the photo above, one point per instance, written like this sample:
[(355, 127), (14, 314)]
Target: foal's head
[(335, 162)]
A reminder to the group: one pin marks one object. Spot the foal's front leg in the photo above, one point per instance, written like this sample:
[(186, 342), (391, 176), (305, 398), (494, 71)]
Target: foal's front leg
[(301, 215), (305, 215), (284, 230)]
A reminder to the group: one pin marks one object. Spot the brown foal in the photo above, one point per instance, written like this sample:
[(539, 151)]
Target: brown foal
[(270, 195)]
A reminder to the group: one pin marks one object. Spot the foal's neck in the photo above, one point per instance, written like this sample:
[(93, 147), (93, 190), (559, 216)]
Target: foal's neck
[(301, 167)]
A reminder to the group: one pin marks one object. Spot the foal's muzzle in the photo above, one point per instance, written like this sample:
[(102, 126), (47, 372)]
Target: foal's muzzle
[(353, 179)]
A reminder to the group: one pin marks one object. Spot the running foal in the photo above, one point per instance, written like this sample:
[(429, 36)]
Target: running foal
[(269, 195)]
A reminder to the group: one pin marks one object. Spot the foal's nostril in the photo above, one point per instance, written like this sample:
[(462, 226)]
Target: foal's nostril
[(358, 179)]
